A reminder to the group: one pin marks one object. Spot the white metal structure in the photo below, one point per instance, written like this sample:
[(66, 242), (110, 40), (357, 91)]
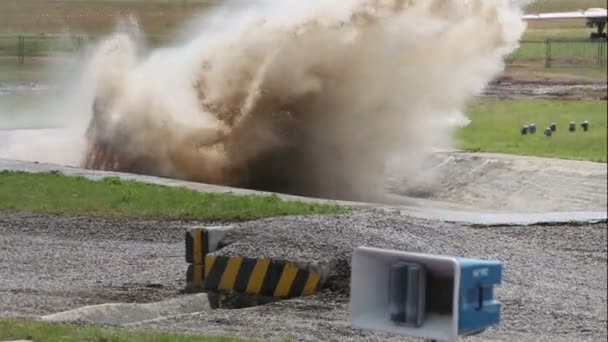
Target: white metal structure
[(596, 17)]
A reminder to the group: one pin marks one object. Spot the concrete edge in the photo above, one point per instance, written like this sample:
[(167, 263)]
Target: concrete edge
[(116, 314)]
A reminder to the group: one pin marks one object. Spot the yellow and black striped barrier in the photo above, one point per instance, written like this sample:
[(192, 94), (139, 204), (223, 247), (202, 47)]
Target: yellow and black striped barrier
[(197, 245), (253, 276), (264, 277), (195, 276)]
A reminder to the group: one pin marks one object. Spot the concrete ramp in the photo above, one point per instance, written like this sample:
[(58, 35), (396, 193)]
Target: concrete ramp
[(506, 184)]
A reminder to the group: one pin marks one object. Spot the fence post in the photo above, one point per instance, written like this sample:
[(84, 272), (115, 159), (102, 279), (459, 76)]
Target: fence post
[(548, 53), (604, 52), (601, 51), (21, 49)]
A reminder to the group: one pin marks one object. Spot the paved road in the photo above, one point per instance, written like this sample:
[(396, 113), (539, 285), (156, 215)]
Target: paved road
[(554, 290)]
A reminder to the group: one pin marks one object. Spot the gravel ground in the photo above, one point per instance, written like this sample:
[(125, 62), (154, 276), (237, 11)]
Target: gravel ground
[(50, 264), (554, 287)]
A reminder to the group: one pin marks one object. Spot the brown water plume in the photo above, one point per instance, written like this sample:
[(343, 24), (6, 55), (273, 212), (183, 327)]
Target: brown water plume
[(311, 98)]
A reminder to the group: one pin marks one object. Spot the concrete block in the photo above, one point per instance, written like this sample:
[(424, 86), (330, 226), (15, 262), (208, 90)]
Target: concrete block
[(201, 241), (262, 276)]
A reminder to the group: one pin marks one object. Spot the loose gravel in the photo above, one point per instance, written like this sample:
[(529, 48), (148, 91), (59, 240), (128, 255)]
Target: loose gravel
[(50, 263), (554, 282)]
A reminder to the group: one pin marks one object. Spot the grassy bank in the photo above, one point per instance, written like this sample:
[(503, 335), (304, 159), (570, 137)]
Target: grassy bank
[(496, 124), (155, 16), (47, 332), (56, 194), (40, 20), (11, 71)]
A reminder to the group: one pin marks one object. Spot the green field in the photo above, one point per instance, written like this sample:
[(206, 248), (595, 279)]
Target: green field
[(496, 124), (11, 71), (42, 21), (48, 332), (155, 16), (55, 194), (94, 16), (562, 5)]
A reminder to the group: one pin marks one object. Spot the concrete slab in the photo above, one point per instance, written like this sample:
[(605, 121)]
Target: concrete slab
[(126, 313), (201, 241)]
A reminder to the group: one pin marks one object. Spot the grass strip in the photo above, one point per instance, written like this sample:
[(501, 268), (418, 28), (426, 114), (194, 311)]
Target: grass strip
[(495, 127), (13, 329), (52, 193)]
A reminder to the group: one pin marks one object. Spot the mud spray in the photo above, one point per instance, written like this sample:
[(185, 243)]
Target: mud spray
[(307, 97)]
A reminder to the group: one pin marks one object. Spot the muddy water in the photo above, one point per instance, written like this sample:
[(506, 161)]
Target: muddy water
[(591, 91), (11, 88)]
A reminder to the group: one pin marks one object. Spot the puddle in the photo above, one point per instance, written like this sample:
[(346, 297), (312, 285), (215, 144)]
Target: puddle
[(7, 88), (547, 90)]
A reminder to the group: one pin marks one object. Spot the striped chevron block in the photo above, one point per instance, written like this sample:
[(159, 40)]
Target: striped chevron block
[(251, 276), (264, 277)]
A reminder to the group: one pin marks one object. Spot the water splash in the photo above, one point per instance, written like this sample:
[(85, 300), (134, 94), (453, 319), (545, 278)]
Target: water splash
[(307, 97)]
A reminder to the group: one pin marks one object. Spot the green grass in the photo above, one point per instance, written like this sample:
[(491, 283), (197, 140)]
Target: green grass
[(585, 58), (111, 197), (49, 332), (557, 31), (11, 71), (94, 16), (580, 73), (563, 5), (574, 49), (496, 124), (43, 19)]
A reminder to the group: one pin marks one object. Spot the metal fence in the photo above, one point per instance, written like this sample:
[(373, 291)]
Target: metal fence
[(561, 53), (550, 53), (28, 48)]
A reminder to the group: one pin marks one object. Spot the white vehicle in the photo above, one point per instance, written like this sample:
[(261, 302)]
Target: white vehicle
[(596, 17)]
